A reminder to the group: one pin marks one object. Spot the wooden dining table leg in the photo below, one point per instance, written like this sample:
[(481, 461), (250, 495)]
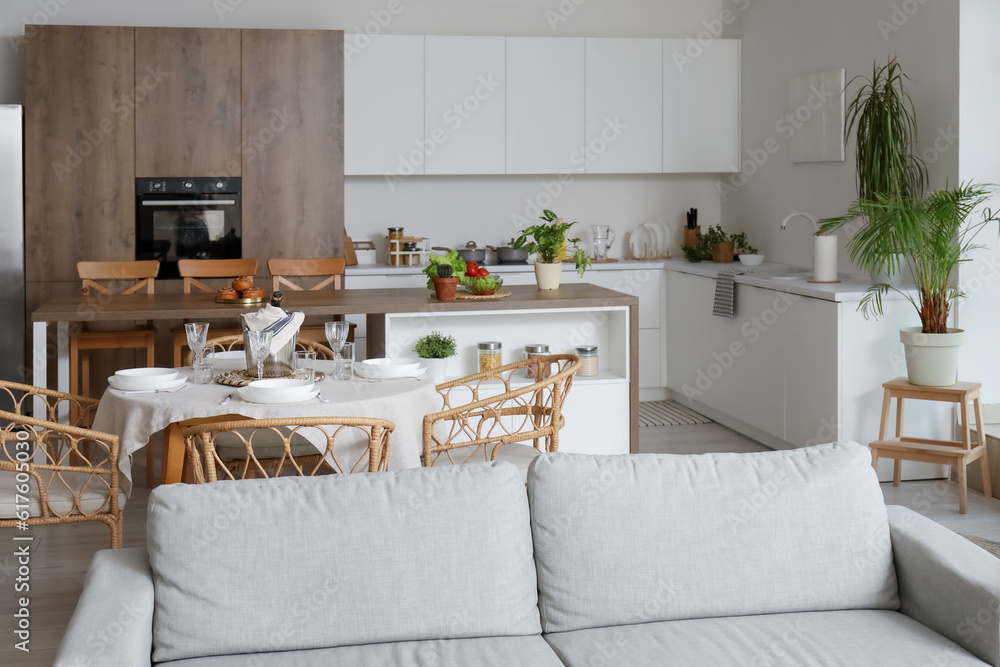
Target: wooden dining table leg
[(172, 461)]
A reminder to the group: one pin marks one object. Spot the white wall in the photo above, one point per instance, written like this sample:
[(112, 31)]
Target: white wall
[(980, 161), (783, 38), (449, 210)]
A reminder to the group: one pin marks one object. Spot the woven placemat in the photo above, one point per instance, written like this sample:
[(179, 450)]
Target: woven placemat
[(243, 376), (465, 296), (989, 545)]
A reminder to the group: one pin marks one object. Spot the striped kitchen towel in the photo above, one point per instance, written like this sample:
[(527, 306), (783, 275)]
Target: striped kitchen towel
[(725, 293)]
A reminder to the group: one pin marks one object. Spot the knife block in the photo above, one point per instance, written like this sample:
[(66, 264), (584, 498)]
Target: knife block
[(691, 236)]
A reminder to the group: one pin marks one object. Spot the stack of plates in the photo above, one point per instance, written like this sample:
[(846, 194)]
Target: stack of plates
[(650, 240), (281, 390), (386, 369), (146, 379), (235, 360)]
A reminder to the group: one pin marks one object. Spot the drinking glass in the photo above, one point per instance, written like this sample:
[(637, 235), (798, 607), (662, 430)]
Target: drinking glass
[(336, 334), (344, 362), (197, 336), (203, 371), (259, 342), (305, 364)]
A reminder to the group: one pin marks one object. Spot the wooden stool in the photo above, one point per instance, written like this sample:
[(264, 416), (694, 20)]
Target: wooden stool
[(949, 452)]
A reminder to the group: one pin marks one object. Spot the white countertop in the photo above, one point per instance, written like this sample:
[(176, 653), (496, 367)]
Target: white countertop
[(621, 265), (850, 287)]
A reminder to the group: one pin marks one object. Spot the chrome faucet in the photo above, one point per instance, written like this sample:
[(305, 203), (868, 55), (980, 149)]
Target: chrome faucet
[(784, 223)]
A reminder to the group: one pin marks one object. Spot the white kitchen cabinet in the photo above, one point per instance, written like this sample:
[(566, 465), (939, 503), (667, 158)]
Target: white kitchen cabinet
[(624, 106), (384, 105), (465, 105), (545, 105), (812, 405), (684, 298), (701, 107)]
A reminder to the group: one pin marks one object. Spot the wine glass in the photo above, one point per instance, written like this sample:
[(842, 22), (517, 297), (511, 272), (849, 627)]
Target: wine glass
[(336, 335), (259, 342), (197, 336)]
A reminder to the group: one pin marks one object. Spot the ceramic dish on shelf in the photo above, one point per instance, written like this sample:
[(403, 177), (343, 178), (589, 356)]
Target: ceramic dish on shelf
[(387, 372), (276, 399), (666, 239), (127, 374), (232, 360), (657, 235), (640, 242), (151, 384)]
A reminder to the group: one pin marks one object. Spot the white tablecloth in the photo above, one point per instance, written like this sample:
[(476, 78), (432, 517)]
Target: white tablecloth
[(136, 417)]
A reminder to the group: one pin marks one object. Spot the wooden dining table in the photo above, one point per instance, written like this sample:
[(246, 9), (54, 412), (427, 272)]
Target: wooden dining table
[(136, 417)]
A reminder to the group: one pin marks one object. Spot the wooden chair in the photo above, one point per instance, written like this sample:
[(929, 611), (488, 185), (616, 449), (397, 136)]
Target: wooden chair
[(323, 272), (72, 471), (298, 446), (193, 269), (486, 416), (124, 278)]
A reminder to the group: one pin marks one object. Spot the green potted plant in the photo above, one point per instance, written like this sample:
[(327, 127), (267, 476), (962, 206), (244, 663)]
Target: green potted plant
[(932, 232), (713, 243), (450, 276), (546, 243), (435, 349), (748, 255)]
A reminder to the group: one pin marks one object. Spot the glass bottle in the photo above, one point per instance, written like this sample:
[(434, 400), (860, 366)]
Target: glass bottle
[(588, 360), (537, 350), (490, 353)]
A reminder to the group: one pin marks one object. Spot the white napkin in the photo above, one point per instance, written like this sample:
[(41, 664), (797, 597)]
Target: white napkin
[(270, 316)]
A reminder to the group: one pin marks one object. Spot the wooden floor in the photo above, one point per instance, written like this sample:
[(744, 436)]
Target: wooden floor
[(62, 554)]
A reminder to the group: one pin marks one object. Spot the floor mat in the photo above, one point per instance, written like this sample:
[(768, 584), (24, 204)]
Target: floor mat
[(668, 413)]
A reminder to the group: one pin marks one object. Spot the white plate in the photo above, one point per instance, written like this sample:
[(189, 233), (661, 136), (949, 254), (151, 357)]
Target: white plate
[(657, 234), (127, 374), (175, 383), (251, 397), (380, 373), (397, 364), (234, 360), (668, 237), (640, 236), (283, 387)]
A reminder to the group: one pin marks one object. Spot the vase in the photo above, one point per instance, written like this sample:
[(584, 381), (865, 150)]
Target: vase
[(444, 289), (931, 359), (437, 368), (548, 275)]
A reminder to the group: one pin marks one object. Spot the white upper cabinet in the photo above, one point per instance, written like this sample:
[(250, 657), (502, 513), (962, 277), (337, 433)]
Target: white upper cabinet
[(383, 104), (701, 106), (464, 105), (545, 105), (624, 106)]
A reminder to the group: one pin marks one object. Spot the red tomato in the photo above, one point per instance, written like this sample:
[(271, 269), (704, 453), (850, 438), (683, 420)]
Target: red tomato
[(481, 273), (471, 268)]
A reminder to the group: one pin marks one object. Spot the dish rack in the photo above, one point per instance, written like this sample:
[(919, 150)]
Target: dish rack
[(399, 257)]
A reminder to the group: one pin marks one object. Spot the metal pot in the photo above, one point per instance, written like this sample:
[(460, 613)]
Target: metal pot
[(508, 254), (470, 253)]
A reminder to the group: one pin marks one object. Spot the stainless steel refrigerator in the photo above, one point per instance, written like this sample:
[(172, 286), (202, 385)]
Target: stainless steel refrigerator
[(12, 362)]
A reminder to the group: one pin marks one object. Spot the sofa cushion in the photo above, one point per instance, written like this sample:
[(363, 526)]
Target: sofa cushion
[(859, 638), (340, 560), (656, 537), (484, 652)]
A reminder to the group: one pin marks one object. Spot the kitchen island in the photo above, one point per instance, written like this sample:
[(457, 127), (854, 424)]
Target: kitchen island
[(601, 415)]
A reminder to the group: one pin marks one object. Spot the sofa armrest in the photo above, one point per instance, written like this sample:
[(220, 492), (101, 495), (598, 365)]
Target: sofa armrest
[(113, 622), (947, 583)]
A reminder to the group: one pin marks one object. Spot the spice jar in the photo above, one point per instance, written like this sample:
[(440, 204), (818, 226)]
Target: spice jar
[(588, 360), (537, 350), (408, 259), (490, 356), (395, 245)]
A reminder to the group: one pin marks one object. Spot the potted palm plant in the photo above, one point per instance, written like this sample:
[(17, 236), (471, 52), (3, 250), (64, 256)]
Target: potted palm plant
[(934, 235), (546, 243)]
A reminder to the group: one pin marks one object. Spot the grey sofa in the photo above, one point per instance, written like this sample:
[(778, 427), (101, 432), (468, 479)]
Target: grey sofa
[(779, 558)]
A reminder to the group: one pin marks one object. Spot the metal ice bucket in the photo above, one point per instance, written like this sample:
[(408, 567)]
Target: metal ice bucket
[(278, 364)]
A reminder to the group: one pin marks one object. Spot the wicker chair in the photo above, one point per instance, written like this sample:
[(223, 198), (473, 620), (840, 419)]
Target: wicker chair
[(281, 447), (228, 343), (487, 416), (55, 473)]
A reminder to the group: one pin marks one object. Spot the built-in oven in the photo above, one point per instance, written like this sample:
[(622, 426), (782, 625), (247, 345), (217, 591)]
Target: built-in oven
[(187, 218)]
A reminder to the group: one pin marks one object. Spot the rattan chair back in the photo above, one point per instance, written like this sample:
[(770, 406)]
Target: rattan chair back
[(230, 343)]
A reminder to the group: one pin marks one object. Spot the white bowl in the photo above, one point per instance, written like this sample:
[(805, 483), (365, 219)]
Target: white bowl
[(234, 360), (129, 373), (373, 372), (280, 387), (751, 260), (398, 364), (145, 384)]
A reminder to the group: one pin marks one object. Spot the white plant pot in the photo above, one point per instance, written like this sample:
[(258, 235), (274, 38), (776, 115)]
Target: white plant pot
[(438, 369), (548, 275), (931, 359)]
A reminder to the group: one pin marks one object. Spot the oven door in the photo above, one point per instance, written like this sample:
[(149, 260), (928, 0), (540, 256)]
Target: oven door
[(173, 227)]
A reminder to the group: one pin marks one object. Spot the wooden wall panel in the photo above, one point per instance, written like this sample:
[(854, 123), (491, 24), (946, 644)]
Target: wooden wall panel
[(189, 122), (79, 149), (293, 133)]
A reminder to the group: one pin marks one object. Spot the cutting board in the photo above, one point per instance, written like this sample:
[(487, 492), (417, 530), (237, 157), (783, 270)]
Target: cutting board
[(349, 254)]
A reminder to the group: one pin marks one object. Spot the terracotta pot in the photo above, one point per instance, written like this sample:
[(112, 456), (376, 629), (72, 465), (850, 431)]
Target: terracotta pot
[(723, 252), (445, 288), (548, 276)]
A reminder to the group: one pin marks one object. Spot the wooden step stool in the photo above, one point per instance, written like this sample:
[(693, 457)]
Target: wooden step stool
[(949, 452)]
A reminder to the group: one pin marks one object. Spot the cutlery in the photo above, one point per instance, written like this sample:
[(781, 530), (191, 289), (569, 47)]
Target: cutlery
[(322, 398), (152, 391), (226, 400)]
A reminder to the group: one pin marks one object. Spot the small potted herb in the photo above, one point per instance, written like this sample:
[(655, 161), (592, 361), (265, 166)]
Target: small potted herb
[(445, 283), (435, 348), (546, 243), (748, 255)]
